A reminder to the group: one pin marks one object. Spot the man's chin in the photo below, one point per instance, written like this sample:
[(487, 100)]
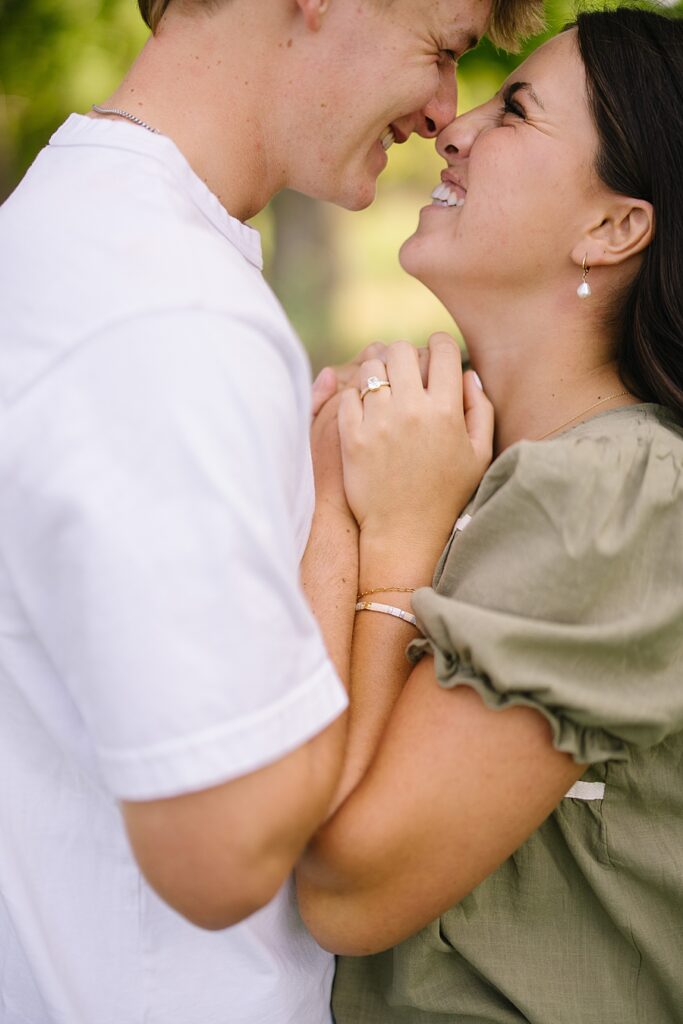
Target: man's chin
[(356, 196), (354, 185)]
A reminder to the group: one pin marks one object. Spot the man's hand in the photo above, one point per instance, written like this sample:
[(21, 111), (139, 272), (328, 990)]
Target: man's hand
[(327, 462), (325, 386)]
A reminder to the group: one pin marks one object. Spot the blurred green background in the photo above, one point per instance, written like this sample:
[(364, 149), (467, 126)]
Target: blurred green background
[(337, 273)]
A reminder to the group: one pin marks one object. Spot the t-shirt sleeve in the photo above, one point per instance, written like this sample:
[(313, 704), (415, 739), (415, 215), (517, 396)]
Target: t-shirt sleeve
[(563, 593), (156, 531)]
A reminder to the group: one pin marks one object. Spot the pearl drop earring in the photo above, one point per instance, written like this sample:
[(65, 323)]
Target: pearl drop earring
[(584, 289)]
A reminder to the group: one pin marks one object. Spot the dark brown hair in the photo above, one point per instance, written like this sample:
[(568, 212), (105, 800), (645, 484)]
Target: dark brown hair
[(153, 10), (634, 72), (511, 20)]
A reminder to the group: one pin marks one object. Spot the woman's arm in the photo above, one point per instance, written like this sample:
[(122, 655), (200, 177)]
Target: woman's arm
[(413, 457), (454, 789), (330, 578), (329, 569)]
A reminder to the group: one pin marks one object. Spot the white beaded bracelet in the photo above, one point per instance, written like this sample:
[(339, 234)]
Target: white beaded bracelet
[(387, 609)]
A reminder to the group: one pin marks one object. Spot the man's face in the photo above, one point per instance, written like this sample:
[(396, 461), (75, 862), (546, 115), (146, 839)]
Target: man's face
[(376, 72)]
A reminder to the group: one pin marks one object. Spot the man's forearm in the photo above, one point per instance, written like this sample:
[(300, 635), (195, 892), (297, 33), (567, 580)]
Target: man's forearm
[(329, 576)]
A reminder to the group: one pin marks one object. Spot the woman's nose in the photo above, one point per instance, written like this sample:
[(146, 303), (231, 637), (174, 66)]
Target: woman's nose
[(459, 136)]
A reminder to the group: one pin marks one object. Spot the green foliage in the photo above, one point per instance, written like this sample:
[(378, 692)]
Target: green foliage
[(57, 56)]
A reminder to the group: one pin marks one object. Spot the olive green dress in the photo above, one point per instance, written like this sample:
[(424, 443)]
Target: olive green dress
[(564, 592)]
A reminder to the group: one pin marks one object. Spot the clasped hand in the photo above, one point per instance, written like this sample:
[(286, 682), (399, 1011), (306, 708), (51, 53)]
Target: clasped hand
[(412, 453)]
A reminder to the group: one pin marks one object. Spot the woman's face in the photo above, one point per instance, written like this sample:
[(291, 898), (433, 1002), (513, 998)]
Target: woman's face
[(519, 189)]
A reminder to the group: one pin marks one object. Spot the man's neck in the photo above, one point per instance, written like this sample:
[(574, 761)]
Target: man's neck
[(203, 87)]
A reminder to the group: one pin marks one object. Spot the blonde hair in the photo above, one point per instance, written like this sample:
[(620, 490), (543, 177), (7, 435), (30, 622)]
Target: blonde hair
[(511, 22)]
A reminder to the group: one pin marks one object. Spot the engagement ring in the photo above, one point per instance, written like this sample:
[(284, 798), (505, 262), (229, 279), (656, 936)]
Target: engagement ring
[(374, 384)]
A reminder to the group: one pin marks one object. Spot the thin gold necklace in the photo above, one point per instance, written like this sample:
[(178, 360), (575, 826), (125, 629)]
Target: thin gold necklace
[(601, 401)]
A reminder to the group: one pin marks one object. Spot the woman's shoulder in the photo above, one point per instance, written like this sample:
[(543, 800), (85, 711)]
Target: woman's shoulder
[(609, 490), (633, 454)]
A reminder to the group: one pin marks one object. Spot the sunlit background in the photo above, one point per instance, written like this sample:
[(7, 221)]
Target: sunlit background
[(337, 273)]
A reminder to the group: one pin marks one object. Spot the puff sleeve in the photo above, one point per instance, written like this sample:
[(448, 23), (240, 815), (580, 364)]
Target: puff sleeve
[(565, 591)]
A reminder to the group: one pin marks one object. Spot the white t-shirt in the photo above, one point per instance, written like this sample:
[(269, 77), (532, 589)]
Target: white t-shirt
[(155, 499)]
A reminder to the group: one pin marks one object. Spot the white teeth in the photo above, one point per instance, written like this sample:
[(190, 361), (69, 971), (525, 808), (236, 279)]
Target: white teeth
[(444, 195), (388, 139), (441, 192)]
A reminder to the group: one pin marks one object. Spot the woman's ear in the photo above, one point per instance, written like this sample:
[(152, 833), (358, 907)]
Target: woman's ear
[(626, 229), (313, 11)]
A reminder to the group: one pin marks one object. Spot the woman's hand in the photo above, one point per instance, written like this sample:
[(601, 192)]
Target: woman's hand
[(412, 456), (333, 379)]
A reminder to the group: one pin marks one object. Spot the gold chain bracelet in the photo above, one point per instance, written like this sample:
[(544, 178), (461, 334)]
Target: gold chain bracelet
[(386, 590)]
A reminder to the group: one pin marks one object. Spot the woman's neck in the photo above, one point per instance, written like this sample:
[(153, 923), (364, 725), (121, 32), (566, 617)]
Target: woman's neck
[(544, 365)]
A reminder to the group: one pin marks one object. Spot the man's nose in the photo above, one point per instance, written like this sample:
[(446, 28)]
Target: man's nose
[(441, 108)]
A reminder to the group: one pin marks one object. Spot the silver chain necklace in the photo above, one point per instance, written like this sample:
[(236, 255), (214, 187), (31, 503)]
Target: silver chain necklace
[(124, 113)]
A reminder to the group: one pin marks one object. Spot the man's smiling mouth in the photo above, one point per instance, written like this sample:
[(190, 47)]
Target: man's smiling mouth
[(392, 134), (388, 138)]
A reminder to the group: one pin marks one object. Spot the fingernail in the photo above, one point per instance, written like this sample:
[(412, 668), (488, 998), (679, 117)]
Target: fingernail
[(477, 380)]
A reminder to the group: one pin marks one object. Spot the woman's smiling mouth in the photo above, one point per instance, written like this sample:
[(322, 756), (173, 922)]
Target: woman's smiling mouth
[(450, 192), (445, 194)]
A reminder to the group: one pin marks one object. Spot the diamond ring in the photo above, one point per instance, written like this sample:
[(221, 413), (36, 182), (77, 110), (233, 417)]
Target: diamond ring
[(374, 384)]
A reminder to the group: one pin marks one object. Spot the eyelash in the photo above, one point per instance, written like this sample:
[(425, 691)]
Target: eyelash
[(452, 57), (511, 107)]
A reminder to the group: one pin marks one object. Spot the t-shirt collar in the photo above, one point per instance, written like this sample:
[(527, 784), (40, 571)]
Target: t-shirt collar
[(79, 130)]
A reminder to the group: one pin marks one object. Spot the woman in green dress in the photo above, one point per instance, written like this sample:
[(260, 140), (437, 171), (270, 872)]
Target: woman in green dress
[(507, 844)]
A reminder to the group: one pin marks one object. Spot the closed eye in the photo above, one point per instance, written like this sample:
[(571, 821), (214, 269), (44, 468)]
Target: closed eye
[(511, 106)]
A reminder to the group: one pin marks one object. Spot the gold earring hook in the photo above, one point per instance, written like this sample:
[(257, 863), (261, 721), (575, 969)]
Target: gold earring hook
[(584, 267)]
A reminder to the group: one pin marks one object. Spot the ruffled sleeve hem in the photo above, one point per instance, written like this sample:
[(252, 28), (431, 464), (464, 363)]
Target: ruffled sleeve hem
[(586, 744)]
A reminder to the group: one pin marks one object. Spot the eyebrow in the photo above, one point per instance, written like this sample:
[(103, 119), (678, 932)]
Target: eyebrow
[(526, 87)]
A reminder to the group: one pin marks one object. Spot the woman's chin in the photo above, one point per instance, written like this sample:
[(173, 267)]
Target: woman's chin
[(417, 258), (414, 257)]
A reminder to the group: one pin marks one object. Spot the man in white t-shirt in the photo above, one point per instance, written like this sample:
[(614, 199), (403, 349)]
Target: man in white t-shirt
[(170, 730)]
